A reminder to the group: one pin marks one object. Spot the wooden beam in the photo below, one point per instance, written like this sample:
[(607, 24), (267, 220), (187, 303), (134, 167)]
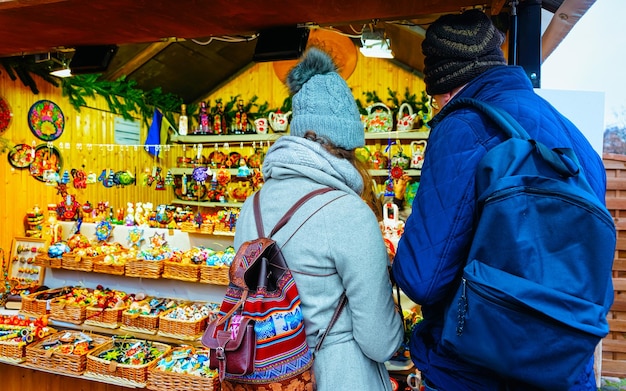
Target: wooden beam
[(139, 60), (496, 6), (10, 4)]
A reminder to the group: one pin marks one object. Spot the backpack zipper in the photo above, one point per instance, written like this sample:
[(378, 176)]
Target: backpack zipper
[(579, 201), (487, 296)]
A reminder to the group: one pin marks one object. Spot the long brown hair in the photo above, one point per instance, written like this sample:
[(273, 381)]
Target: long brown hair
[(368, 194)]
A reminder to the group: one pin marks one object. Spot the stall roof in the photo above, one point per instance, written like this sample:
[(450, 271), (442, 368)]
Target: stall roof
[(191, 47)]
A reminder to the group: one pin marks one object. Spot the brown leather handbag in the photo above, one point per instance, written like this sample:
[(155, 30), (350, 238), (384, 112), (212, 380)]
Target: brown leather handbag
[(228, 354)]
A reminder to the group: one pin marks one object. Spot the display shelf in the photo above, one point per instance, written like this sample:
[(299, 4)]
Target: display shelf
[(231, 138), (385, 173), (225, 138), (189, 171), (120, 332), (228, 234), (209, 204), (403, 135), (25, 365)]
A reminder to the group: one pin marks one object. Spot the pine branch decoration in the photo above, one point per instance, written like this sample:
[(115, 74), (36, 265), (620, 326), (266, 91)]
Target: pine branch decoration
[(122, 96)]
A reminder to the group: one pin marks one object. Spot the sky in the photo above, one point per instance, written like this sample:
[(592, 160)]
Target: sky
[(592, 58)]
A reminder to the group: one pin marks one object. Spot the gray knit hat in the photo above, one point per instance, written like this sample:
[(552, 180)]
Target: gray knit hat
[(323, 103), (459, 47)]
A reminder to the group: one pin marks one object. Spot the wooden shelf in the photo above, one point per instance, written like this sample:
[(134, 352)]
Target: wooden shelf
[(119, 332), (226, 138), (412, 135), (233, 138), (410, 172), (25, 365), (208, 204)]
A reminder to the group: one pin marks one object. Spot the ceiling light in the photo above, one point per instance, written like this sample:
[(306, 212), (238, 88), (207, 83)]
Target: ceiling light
[(375, 44), (64, 72), (57, 64)]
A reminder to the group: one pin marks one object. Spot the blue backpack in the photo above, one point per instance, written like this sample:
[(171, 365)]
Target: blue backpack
[(536, 287)]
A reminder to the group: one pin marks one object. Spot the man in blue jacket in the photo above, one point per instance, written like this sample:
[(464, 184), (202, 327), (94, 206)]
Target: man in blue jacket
[(463, 58)]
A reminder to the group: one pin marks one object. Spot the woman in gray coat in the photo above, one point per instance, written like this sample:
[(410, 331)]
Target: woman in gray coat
[(341, 247)]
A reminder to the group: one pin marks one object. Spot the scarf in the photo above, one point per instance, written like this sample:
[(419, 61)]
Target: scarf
[(292, 156)]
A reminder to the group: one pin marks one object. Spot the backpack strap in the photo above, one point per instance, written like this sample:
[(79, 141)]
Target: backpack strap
[(562, 160), (288, 214), (343, 299)]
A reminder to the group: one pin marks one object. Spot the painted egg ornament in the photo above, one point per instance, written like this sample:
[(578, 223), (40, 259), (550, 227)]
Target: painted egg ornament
[(78, 241), (214, 260), (57, 250)]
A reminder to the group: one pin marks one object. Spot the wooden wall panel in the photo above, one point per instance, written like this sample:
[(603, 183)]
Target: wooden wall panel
[(614, 345), (87, 140), (371, 74)]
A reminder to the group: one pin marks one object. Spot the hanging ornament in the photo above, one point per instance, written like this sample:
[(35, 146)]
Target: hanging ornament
[(169, 178), (79, 178), (183, 188), (223, 176), (158, 179), (124, 178), (91, 178), (103, 175), (110, 180), (199, 219), (200, 174), (146, 177), (66, 177)]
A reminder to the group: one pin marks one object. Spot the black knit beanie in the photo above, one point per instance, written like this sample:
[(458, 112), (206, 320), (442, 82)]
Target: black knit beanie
[(459, 47)]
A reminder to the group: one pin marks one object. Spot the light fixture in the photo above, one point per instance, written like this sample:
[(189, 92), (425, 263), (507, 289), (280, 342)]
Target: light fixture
[(63, 69), (63, 72), (375, 44)]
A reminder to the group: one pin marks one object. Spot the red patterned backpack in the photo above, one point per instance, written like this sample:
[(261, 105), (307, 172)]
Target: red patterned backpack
[(258, 341)]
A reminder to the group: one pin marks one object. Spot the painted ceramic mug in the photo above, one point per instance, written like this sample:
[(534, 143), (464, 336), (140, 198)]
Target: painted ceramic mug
[(261, 125)]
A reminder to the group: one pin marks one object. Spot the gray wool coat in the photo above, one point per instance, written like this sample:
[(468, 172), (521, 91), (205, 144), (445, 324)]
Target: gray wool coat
[(342, 239)]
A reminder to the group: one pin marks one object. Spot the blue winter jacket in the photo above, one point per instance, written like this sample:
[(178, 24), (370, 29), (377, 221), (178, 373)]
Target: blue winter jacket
[(437, 234)]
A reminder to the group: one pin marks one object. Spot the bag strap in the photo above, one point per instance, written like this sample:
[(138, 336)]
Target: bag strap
[(343, 299), (288, 214), (562, 160)]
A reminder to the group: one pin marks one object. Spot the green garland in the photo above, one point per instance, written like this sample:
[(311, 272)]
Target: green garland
[(121, 96), (420, 105)]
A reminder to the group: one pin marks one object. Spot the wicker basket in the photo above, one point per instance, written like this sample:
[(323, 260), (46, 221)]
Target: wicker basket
[(100, 267), (147, 324), (53, 360), (108, 317), (34, 305), (189, 330), (216, 275), (71, 313), (168, 381), (76, 262), (12, 351), (179, 271), (43, 260), (160, 380), (144, 269), (105, 369)]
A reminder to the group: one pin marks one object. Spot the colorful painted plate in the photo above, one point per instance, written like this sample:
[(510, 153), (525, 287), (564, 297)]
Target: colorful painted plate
[(47, 159), (5, 115), (46, 120), (21, 156)]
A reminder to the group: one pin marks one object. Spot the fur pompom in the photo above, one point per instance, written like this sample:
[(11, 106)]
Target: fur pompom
[(314, 62)]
